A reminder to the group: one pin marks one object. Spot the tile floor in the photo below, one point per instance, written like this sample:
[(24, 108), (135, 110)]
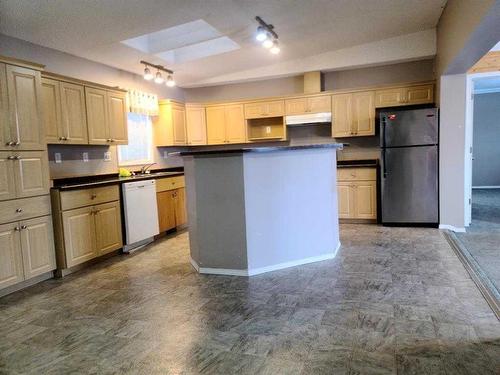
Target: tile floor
[(394, 300)]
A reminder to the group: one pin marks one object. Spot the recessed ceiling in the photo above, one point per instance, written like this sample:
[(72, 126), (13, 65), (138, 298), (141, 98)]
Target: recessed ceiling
[(158, 30)]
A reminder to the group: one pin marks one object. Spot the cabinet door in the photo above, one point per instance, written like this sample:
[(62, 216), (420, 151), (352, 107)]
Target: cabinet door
[(275, 108), (255, 110), (11, 264), (51, 110), (97, 116), (25, 107), (420, 94), (166, 210), (196, 126), (5, 136), (341, 115), (117, 117), (31, 173), (180, 207), (37, 243), (345, 200), (179, 125), (235, 124), (390, 97), (363, 113), (216, 129), (318, 104), (79, 235), (297, 106), (108, 227), (74, 118), (7, 183), (365, 198)]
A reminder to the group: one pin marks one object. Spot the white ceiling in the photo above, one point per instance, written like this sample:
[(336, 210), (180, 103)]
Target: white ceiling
[(307, 28)]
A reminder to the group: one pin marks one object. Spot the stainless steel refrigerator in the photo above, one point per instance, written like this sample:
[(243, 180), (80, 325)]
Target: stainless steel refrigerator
[(409, 167)]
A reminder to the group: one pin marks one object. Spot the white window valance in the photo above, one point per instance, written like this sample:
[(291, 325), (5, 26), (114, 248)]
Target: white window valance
[(142, 103)]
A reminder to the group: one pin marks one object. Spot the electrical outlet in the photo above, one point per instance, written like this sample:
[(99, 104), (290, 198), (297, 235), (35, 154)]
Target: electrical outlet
[(85, 157), (165, 154), (107, 156), (58, 158), (268, 130)]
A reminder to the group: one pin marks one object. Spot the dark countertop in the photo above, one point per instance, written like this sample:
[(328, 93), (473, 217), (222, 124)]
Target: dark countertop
[(113, 179), (259, 149), (357, 163)]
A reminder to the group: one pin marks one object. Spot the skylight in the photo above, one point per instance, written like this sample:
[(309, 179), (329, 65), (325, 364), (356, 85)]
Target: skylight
[(186, 42)]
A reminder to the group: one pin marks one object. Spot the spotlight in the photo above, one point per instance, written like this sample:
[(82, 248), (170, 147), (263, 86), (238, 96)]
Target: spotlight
[(268, 43), (148, 76), (275, 49), (158, 78), (170, 81), (261, 34)]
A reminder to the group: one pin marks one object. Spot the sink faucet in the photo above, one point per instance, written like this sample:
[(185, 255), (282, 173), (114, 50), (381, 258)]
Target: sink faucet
[(145, 168)]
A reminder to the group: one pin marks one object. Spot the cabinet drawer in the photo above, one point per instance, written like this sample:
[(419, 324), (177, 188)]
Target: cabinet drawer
[(169, 183), (86, 197), (356, 174), (20, 209)]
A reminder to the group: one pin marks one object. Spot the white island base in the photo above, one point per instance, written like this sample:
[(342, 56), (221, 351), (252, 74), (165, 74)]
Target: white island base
[(258, 210)]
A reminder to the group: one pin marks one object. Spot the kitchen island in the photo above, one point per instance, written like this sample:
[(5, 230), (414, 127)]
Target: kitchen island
[(255, 210)]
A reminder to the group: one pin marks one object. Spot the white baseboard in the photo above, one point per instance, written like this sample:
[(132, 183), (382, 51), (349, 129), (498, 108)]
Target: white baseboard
[(260, 270), (452, 228), (486, 187)]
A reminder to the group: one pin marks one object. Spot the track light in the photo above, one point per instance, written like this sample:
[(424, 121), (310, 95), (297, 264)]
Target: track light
[(158, 78), (275, 49), (148, 76), (170, 81), (261, 34), (267, 36)]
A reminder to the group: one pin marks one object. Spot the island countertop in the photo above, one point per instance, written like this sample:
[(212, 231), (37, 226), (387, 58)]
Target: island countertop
[(260, 149)]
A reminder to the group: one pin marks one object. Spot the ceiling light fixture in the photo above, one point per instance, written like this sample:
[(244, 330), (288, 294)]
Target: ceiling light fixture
[(158, 78), (267, 35)]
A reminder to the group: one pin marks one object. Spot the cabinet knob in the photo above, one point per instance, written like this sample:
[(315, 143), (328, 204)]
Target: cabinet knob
[(17, 157), (93, 196), (10, 157), (61, 138), (19, 210), (17, 143), (24, 227), (17, 229), (10, 143), (112, 140)]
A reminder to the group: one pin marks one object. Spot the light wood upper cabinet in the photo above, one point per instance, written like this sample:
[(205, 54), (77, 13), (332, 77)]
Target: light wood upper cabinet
[(314, 104), (196, 126), (226, 124), (97, 115), (216, 125), (363, 113), (4, 110), (74, 118), (117, 117), (79, 235), (106, 116), (25, 108), (11, 265), (409, 95), (31, 174), (341, 115), (170, 124), (353, 115), (7, 183), (274, 108), (51, 110), (37, 245), (357, 193), (108, 227)]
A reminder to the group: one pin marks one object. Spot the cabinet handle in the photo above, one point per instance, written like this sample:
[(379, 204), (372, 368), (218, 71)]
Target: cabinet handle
[(10, 157), (61, 138), (17, 157), (17, 143), (24, 227), (19, 210), (112, 140), (93, 196), (17, 229), (9, 143), (65, 138)]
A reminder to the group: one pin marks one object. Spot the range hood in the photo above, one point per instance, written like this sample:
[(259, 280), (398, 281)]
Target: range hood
[(309, 119)]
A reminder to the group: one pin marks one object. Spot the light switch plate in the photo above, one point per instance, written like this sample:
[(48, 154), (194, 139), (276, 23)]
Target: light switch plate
[(268, 130), (85, 157), (58, 158), (107, 156)]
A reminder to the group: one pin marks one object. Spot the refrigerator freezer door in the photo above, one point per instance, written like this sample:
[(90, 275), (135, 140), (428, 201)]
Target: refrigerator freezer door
[(410, 185), (409, 127)]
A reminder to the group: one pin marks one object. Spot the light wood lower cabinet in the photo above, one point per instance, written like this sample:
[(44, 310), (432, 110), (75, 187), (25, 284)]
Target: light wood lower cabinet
[(357, 193), (26, 250), (85, 224), (171, 201)]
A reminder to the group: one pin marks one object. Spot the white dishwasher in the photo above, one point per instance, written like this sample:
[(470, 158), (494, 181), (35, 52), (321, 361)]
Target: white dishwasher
[(141, 213)]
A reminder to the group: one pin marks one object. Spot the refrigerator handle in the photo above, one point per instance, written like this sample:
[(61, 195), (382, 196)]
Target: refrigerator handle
[(384, 168), (383, 124)]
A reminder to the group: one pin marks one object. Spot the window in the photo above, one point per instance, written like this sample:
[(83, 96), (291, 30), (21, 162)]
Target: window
[(140, 141)]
